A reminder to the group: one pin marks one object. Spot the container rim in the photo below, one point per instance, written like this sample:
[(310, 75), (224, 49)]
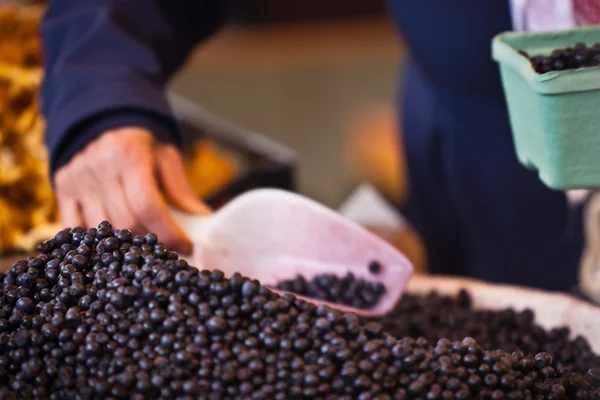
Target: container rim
[(506, 47)]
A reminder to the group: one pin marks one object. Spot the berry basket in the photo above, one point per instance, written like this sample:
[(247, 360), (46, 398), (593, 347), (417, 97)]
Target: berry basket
[(554, 116)]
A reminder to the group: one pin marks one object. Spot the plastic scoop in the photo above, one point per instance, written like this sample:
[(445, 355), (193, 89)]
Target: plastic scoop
[(273, 235)]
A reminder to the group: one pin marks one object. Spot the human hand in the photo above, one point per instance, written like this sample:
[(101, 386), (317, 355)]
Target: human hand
[(118, 178)]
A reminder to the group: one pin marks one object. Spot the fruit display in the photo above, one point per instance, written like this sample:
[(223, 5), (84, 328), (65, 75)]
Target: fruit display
[(101, 313), (578, 56)]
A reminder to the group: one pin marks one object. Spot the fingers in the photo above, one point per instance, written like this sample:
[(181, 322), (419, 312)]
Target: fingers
[(171, 175), (89, 189), (141, 191), (70, 214), (116, 203), (119, 209), (92, 210), (69, 211), (79, 204)]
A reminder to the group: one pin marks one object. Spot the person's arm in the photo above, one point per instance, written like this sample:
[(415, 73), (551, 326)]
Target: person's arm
[(107, 62)]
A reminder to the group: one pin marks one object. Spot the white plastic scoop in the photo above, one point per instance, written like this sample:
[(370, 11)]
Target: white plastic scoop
[(272, 235)]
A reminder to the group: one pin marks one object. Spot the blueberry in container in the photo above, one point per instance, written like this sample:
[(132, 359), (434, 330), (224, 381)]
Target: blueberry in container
[(554, 116)]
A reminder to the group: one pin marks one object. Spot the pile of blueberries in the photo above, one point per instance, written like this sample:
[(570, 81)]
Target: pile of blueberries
[(104, 314), (578, 56)]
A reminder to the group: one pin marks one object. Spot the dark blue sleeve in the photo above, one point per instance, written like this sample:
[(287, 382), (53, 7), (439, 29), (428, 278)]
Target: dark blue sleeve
[(107, 63)]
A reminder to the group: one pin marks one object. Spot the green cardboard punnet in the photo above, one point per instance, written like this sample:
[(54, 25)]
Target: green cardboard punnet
[(555, 117)]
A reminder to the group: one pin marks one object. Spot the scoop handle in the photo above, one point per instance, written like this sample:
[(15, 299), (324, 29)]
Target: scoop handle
[(194, 226)]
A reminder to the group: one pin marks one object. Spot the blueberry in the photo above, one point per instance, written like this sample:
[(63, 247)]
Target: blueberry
[(25, 304), (374, 267)]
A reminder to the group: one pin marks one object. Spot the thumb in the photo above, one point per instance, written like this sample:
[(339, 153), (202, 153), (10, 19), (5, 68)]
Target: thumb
[(171, 175)]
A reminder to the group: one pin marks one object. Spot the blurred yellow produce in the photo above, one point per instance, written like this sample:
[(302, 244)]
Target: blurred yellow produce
[(26, 200)]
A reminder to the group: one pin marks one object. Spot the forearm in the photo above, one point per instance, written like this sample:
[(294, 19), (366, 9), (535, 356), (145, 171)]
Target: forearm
[(107, 62)]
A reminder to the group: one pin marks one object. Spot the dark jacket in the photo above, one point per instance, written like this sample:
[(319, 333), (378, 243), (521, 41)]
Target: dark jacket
[(107, 63)]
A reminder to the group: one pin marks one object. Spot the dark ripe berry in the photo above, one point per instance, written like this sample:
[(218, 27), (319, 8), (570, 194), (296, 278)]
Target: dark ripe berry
[(77, 289), (62, 237), (498, 395), (25, 304), (103, 233), (500, 368), (594, 375), (22, 338), (182, 277), (543, 360), (527, 364), (491, 380), (558, 390), (217, 276), (216, 325), (73, 314), (249, 288), (26, 280), (547, 372), (474, 382), (131, 257), (508, 382), (581, 59), (151, 239), (49, 331), (124, 236), (323, 324), (374, 267), (471, 360)]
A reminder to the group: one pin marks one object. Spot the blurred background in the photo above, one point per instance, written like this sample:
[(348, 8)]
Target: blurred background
[(318, 77)]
